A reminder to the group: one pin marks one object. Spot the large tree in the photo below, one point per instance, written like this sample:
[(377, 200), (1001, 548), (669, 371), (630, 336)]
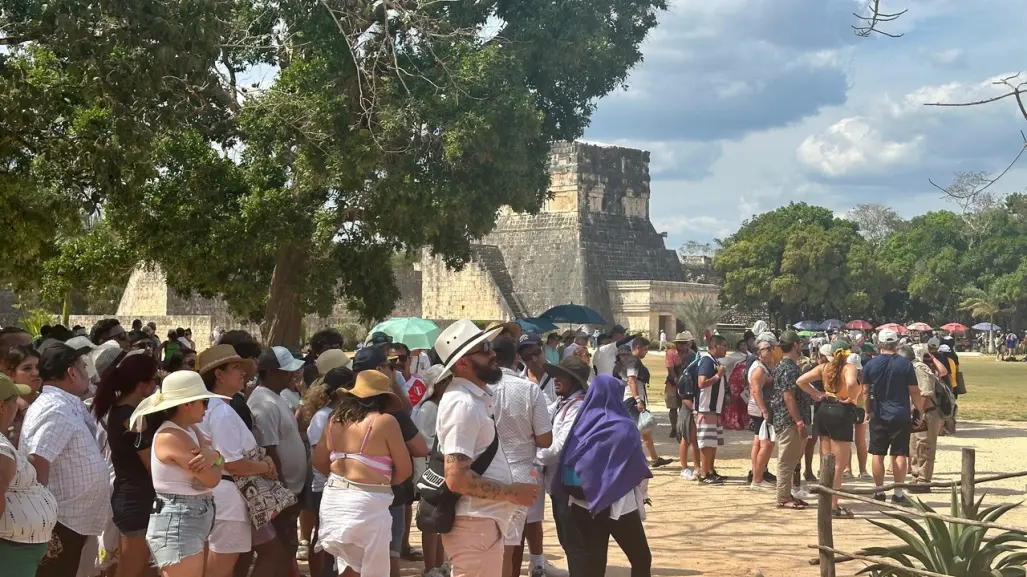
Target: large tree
[(389, 126), (799, 261)]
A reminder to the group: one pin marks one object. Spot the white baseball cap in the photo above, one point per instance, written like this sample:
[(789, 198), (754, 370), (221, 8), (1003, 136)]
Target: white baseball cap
[(888, 336)]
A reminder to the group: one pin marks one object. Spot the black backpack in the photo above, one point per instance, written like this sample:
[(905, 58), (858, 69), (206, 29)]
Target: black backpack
[(688, 383), (944, 399)]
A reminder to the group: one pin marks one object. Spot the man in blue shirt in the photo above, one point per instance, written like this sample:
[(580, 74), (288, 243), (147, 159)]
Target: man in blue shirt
[(893, 385)]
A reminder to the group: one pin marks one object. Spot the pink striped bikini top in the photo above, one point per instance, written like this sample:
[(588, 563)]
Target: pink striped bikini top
[(380, 465)]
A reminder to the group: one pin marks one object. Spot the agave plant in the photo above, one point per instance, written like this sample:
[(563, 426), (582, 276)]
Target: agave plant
[(951, 548)]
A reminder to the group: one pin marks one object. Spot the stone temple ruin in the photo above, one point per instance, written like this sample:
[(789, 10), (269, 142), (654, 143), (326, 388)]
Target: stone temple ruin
[(592, 244)]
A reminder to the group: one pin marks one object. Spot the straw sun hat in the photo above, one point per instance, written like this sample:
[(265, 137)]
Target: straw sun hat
[(372, 384), (178, 388)]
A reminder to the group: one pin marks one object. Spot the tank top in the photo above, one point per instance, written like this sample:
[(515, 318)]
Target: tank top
[(768, 389), (172, 479)]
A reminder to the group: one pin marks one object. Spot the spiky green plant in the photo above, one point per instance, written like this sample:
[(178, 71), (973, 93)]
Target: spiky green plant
[(951, 548)]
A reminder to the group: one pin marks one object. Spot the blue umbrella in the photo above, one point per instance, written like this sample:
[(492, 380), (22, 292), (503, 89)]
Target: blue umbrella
[(832, 324), (808, 326), (536, 325), (986, 327), (574, 314)]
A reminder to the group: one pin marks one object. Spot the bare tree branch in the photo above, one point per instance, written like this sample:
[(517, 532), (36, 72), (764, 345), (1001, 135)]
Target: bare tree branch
[(875, 18)]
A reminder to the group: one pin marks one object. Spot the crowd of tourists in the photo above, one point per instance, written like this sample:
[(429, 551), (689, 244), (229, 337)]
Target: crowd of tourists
[(123, 456), (792, 394)]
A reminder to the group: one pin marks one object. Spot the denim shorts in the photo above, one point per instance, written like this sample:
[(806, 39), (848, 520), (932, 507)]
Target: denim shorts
[(179, 527), (399, 525)]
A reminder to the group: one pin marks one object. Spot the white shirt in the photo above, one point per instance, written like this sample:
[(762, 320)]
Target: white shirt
[(275, 425), (605, 358), (521, 415), (30, 509), (562, 414), (57, 428), (465, 427), (569, 350), (632, 501), (315, 430), (229, 436), (426, 418), (292, 398), (421, 364)]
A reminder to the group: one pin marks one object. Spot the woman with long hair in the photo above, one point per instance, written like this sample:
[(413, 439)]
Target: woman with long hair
[(603, 473), (225, 373), (181, 360), (835, 419), (21, 363), (129, 379), (363, 454), (185, 468)]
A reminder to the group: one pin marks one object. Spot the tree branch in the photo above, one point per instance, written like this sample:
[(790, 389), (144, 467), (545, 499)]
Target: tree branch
[(876, 17)]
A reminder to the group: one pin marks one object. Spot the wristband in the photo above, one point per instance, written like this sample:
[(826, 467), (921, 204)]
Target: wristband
[(220, 461)]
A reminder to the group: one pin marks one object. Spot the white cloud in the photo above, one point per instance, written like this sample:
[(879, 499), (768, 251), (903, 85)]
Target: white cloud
[(851, 145)]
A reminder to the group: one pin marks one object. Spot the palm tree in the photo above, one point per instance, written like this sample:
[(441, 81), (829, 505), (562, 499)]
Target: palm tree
[(983, 304), (700, 313)]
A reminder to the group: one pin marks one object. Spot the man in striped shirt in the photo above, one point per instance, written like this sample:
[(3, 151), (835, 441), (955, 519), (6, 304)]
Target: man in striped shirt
[(712, 383)]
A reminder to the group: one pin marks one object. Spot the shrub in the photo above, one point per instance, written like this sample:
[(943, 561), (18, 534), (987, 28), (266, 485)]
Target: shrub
[(352, 335)]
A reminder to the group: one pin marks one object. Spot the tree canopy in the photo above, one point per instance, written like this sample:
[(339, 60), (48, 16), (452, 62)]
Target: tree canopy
[(389, 126)]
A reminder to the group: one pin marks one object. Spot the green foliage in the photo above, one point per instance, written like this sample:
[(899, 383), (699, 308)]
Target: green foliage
[(34, 319), (699, 314), (799, 261), (951, 548), (352, 335)]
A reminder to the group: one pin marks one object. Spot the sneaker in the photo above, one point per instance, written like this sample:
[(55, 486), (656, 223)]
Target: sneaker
[(711, 480), (900, 500), (768, 476), (688, 474), (801, 494), (436, 572), (864, 476), (660, 462), (761, 487), (538, 571), (847, 475), (719, 477), (446, 569), (303, 552), (551, 570), (879, 497)]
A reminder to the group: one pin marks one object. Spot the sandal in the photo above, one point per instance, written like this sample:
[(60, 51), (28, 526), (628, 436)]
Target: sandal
[(841, 513), (795, 504), (412, 554)]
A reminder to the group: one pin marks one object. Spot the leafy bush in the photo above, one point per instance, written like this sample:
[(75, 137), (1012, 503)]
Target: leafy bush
[(33, 321), (951, 548), (352, 334)]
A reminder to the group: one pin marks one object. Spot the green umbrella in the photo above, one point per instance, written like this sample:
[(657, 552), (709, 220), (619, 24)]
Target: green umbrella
[(807, 334), (413, 332)]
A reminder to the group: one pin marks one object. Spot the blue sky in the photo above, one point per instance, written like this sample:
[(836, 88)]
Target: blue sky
[(747, 105)]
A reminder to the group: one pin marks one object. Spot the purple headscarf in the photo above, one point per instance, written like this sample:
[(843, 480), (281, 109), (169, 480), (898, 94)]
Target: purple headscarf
[(604, 447)]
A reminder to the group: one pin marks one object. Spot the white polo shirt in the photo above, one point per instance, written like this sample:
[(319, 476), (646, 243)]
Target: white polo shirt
[(465, 427)]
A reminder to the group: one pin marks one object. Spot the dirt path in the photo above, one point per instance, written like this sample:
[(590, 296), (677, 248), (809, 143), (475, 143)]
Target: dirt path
[(728, 531)]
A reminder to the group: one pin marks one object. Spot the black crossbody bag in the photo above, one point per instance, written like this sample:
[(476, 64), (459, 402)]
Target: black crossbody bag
[(437, 509)]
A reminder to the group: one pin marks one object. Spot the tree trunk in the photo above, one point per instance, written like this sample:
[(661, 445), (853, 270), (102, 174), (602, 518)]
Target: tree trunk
[(282, 317), (66, 309)]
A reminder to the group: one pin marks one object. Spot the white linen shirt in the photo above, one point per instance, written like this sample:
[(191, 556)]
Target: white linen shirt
[(605, 358), (521, 415), (229, 436), (315, 430), (465, 427), (563, 414), (57, 428)]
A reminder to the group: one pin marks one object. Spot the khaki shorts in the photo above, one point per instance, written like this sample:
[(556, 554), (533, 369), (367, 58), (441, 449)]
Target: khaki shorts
[(671, 398)]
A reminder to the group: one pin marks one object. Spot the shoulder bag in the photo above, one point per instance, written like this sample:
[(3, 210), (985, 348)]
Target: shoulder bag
[(437, 509)]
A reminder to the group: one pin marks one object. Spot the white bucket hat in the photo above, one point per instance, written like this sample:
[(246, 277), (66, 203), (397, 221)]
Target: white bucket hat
[(432, 376), (459, 338), (178, 388)]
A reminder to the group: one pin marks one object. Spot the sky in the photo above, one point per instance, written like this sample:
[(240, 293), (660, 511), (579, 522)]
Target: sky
[(747, 105)]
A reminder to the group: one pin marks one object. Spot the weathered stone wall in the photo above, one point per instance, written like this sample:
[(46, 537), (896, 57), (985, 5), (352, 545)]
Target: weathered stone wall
[(594, 178), (470, 293)]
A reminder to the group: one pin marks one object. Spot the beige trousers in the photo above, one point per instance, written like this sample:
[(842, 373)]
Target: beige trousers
[(474, 547), (789, 452), (922, 448)]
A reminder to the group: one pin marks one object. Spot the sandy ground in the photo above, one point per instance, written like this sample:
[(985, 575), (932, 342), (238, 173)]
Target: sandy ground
[(729, 531)]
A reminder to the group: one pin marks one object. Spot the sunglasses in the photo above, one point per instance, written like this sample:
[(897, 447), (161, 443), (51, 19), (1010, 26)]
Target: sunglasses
[(485, 348), (401, 359)]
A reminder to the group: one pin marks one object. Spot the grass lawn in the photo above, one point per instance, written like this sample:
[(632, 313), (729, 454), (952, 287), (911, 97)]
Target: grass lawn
[(996, 391)]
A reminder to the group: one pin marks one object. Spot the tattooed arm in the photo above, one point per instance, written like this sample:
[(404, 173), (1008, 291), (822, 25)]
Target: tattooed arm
[(461, 479)]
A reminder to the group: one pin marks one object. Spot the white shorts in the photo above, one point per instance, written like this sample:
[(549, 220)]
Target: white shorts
[(537, 511), (229, 537)]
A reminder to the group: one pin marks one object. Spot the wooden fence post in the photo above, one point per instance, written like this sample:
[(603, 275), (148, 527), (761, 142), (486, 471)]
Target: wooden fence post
[(825, 534), (966, 487)]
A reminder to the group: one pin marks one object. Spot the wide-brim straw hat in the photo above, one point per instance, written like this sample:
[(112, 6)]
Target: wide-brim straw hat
[(684, 337), (221, 355), (513, 328), (178, 388), (326, 361), (372, 384), (459, 338)]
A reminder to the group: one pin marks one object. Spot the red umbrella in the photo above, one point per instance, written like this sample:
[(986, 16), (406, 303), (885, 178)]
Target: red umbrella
[(859, 326), (893, 327), (920, 327), (955, 328)]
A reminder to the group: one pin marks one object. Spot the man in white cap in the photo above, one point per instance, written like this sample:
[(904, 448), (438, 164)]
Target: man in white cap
[(893, 385), (466, 430)]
